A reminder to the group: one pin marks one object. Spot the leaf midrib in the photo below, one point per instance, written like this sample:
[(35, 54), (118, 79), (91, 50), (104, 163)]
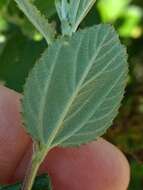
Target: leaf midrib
[(59, 123), (77, 129), (44, 97)]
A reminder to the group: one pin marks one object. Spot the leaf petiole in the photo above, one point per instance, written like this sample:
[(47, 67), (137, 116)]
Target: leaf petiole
[(36, 160)]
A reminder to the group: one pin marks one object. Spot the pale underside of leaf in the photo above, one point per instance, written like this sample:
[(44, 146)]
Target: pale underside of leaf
[(73, 94), (73, 12), (38, 20), (79, 10)]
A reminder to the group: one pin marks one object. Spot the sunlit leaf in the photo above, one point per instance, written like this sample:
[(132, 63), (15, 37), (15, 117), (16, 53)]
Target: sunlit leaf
[(110, 10), (130, 26)]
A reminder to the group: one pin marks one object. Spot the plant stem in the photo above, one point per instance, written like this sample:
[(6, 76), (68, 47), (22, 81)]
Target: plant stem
[(37, 158)]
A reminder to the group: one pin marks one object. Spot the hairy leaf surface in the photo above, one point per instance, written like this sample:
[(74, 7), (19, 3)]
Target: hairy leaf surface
[(73, 94), (39, 21), (72, 12)]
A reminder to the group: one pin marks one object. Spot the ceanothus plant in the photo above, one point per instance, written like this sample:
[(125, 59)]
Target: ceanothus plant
[(74, 91)]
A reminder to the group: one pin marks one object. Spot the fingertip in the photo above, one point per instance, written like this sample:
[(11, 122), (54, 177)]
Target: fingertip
[(13, 139), (98, 165), (115, 170)]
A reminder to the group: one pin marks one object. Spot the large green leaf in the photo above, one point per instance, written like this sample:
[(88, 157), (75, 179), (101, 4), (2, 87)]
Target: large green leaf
[(73, 94)]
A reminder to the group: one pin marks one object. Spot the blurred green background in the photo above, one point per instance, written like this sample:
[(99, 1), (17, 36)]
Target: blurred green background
[(21, 45)]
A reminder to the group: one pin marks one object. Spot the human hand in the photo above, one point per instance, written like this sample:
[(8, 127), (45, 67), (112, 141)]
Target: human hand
[(96, 166)]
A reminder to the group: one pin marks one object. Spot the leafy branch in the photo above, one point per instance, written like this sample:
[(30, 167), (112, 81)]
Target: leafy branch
[(73, 94), (74, 91)]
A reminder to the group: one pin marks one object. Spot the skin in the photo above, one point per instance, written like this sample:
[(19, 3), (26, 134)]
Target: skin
[(96, 166)]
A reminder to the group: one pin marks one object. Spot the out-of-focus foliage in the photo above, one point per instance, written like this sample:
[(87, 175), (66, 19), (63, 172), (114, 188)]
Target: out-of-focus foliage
[(137, 176), (47, 7), (16, 59), (42, 182), (21, 44), (126, 16), (111, 10), (11, 13), (131, 26)]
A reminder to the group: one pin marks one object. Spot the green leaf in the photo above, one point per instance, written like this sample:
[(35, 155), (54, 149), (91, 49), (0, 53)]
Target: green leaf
[(42, 182), (73, 94), (72, 12), (39, 21)]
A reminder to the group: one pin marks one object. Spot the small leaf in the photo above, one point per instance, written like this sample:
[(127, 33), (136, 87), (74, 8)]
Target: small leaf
[(72, 12), (73, 94), (39, 21)]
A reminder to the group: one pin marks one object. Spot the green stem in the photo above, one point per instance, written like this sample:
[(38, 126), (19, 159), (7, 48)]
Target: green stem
[(37, 158)]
